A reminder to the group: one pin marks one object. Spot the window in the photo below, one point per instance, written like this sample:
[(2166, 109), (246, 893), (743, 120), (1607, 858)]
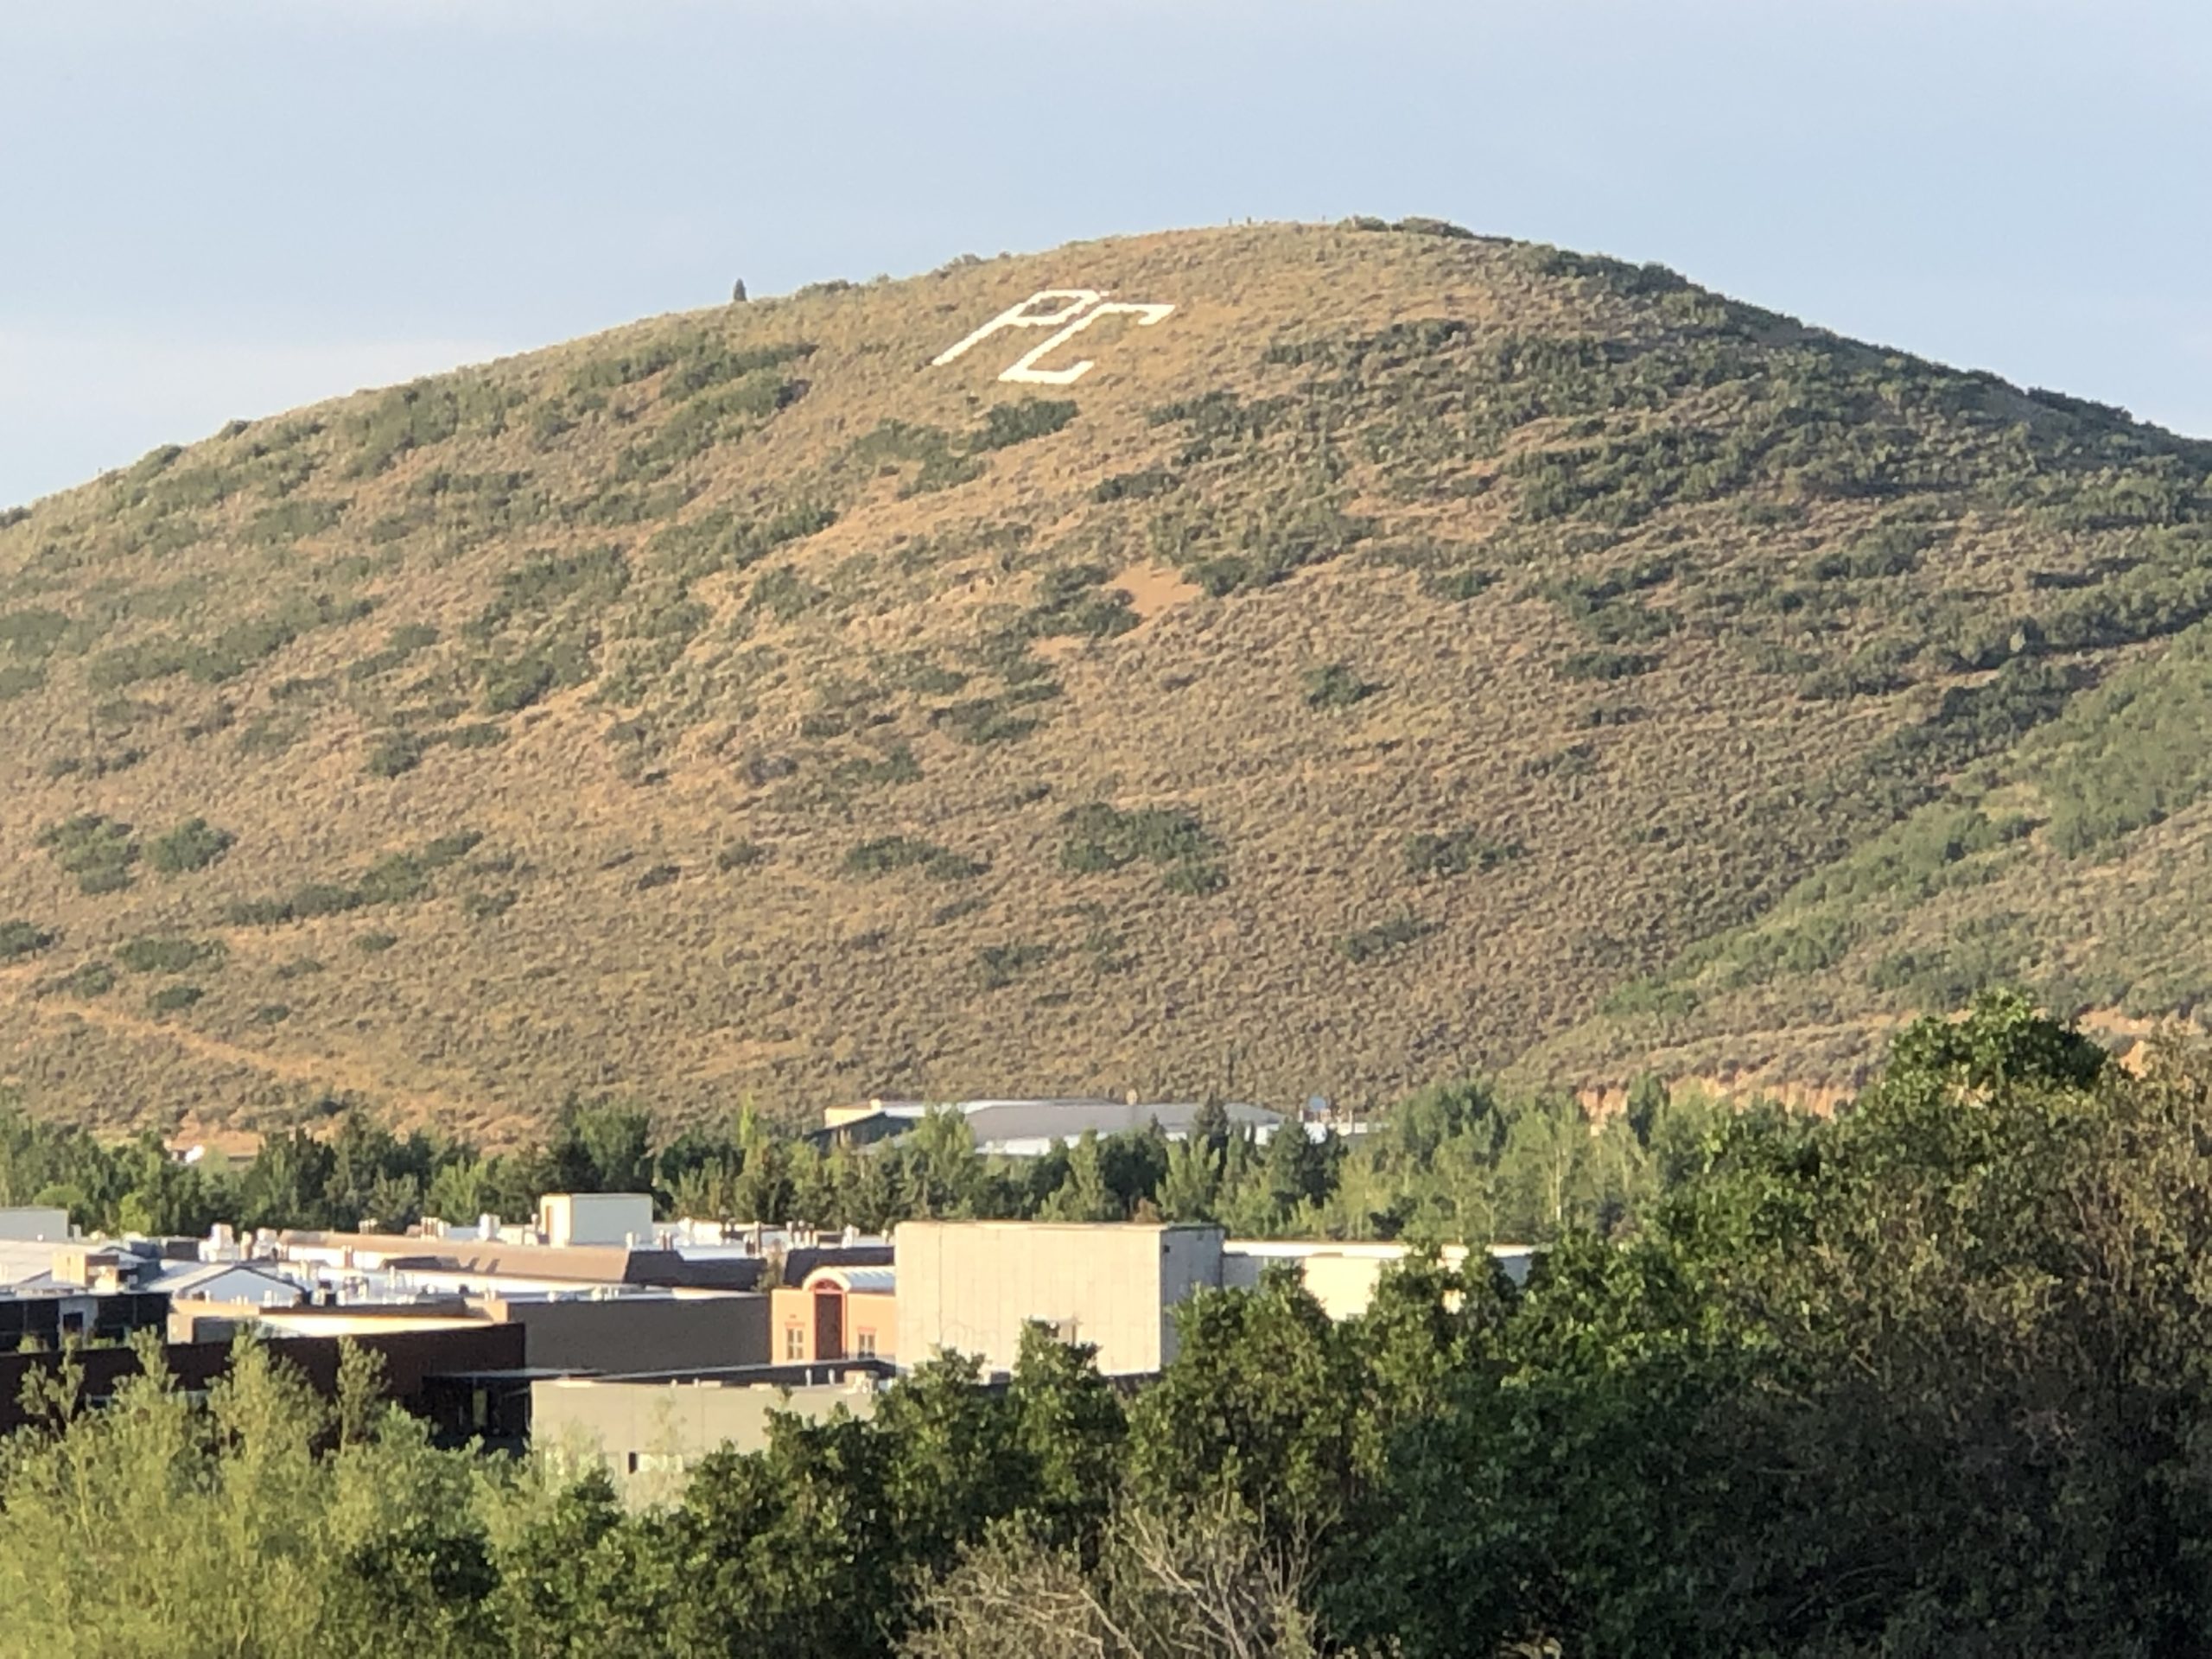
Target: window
[(864, 1344), (794, 1342)]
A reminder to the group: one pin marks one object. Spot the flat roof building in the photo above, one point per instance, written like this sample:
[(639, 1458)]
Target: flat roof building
[(837, 1313), (1030, 1128), (971, 1287), (647, 1431)]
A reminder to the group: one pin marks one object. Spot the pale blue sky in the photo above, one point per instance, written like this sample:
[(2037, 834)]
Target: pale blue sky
[(212, 208)]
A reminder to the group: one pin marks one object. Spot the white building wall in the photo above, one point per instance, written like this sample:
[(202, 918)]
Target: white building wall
[(1342, 1277), (596, 1218)]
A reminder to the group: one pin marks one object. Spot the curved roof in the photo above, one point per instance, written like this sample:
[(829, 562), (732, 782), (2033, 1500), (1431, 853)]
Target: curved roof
[(868, 1281)]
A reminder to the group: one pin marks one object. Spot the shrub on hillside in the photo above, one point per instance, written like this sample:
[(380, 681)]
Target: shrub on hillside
[(888, 854), (152, 954), (98, 851), (487, 907), (1455, 852), (393, 754), (740, 856), (20, 938), (1002, 964), (1382, 938), (1420, 225), (1100, 836), (1335, 685), (87, 979), (1606, 664), (1007, 424), (1139, 485), (192, 845), (1068, 601)]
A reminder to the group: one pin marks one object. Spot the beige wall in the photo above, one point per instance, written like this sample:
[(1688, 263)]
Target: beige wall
[(647, 1434), (792, 1309), (971, 1287), (1342, 1277)]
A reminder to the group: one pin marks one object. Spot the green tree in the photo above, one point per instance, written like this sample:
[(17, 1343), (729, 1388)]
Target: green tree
[(1260, 1403)]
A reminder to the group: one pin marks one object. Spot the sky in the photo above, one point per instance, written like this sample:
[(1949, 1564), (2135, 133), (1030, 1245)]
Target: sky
[(220, 208)]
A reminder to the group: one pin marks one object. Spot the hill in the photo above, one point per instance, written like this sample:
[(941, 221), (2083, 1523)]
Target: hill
[(1412, 653)]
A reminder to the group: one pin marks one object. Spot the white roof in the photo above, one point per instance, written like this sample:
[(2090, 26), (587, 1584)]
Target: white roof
[(226, 1281)]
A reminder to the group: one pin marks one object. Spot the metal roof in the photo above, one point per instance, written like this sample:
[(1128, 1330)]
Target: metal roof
[(868, 1281)]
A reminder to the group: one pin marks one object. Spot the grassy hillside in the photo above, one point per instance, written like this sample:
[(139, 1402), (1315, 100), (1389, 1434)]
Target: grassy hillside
[(1416, 653)]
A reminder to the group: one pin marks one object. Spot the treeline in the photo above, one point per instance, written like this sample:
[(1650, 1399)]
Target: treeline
[(1928, 1379), (1456, 1162)]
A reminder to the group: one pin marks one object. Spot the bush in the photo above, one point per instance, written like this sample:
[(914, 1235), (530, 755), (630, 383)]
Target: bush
[(740, 856), (1455, 852), (192, 845), (984, 720), (1420, 225), (87, 979), (393, 754), (1606, 664), (888, 854), (168, 956), (1002, 964), (1139, 485), (1382, 939), (487, 907), (475, 735), (372, 945), (1335, 686), (395, 878), (1892, 551), (20, 938), (783, 593), (1006, 424), (1195, 881), (174, 999), (98, 851), (512, 687), (1101, 836), (1069, 603)]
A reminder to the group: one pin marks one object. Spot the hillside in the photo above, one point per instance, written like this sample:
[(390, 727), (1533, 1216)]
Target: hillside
[(1412, 653)]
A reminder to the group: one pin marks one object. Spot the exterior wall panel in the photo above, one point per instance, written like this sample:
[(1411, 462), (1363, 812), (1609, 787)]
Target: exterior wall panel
[(971, 1287)]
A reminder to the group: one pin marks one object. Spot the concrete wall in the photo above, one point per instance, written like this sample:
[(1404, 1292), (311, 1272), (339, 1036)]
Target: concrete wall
[(35, 1221), (971, 1287), (568, 1218), (647, 1434)]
